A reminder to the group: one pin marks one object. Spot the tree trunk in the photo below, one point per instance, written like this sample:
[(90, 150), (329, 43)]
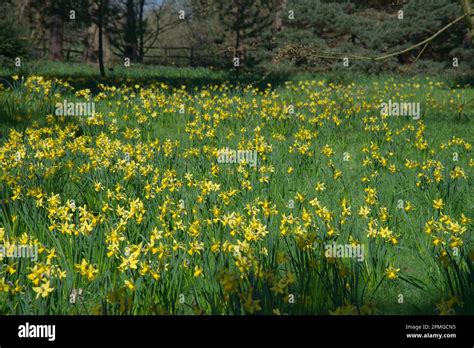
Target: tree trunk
[(101, 37), (141, 32), (237, 46), (55, 30), (278, 21), (90, 48), (467, 8), (130, 35)]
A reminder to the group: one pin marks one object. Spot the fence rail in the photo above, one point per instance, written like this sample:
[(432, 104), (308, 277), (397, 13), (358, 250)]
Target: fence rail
[(164, 54)]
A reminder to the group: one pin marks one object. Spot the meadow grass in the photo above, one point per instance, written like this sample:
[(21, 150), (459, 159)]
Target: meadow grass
[(132, 206)]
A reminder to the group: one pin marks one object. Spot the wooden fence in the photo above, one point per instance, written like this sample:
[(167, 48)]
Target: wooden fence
[(179, 55)]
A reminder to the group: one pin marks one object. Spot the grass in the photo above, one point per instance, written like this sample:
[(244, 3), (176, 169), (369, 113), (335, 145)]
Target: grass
[(146, 221)]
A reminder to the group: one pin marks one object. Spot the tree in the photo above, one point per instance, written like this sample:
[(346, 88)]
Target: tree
[(278, 21), (130, 29), (52, 16), (100, 16), (55, 26), (142, 25), (135, 25), (323, 27), (422, 19), (332, 30)]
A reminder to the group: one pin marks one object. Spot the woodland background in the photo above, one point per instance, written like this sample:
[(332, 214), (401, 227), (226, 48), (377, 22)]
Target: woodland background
[(266, 35)]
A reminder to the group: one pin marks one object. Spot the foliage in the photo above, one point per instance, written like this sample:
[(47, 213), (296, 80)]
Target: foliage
[(11, 45), (339, 28)]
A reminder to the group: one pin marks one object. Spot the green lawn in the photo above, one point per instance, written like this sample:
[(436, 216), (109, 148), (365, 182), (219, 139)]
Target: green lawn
[(133, 207)]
